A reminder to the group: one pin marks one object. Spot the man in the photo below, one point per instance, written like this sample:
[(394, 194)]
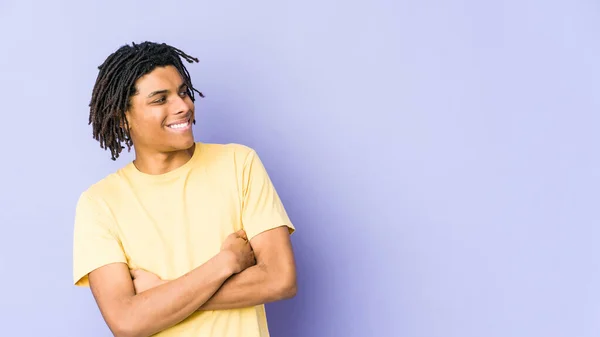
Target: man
[(189, 239)]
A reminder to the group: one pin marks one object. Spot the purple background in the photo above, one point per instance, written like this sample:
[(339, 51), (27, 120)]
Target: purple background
[(439, 158)]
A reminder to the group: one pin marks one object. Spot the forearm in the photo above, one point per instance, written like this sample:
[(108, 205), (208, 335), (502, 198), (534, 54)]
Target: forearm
[(161, 307), (253, 286)]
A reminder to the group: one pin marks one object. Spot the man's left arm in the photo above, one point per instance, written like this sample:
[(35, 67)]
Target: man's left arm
[(268, 227), (273, 278)]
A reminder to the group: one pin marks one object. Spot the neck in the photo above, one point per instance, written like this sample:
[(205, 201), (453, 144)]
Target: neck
[(160, 162)]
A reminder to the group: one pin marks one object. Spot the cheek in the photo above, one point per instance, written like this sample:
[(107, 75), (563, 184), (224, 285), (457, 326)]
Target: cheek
[(144, 126), (189, 103)]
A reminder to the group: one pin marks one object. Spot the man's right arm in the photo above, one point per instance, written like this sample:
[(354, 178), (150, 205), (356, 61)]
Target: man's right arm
[(140, 315)]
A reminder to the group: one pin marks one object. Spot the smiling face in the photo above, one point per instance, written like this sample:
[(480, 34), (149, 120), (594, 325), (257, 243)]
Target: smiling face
[(161, 112)]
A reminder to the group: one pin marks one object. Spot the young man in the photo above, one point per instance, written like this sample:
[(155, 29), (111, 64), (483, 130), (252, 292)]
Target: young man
[(189, 239)]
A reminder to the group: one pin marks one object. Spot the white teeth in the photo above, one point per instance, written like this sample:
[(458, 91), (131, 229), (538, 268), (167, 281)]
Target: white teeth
[(178, 126)]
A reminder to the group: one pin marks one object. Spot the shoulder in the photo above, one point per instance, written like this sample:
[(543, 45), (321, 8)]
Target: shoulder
[(104, 188), (237, 154), (229, 148)]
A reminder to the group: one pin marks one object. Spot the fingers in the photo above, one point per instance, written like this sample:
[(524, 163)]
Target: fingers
[(242, 233)]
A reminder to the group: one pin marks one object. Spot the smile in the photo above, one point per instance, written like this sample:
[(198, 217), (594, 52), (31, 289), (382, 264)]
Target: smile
[(180, 125)]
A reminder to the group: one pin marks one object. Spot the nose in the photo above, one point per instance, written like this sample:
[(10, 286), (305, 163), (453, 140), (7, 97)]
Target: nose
[(182, 105)]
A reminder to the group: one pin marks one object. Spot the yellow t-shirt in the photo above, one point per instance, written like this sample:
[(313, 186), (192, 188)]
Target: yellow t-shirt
[(172, 223)]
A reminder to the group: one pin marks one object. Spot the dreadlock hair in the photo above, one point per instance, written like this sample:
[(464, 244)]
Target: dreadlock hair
[(115, 85)]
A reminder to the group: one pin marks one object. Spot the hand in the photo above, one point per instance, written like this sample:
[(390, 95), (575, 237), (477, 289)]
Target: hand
[(144, 280), (243, 255)]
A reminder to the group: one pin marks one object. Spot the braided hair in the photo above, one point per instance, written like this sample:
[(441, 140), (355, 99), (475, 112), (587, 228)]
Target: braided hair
[(115, 85)]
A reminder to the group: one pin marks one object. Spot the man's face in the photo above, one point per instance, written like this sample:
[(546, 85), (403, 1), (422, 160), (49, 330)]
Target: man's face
[(161, 113)]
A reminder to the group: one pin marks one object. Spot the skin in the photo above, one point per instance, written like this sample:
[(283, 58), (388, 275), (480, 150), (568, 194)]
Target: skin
[(161, 100), (273, 278), (135, 303)]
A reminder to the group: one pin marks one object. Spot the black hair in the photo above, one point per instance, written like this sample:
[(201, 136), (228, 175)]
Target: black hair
[(115, 85)]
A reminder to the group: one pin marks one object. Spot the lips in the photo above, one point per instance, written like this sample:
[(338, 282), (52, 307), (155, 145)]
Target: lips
[(180, 123)]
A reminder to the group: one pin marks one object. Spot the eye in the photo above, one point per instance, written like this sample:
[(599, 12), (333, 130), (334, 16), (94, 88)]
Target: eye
[(183, 93), (160, 100)]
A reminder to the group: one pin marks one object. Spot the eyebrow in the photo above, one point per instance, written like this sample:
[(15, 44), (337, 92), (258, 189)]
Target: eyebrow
[(164, 91)]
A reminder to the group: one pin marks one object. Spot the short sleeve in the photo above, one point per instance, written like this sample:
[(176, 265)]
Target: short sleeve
[(262, 208), (94, 241)]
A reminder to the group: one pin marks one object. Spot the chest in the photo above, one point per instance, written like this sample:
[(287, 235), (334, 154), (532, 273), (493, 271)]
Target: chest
[(169, 229)]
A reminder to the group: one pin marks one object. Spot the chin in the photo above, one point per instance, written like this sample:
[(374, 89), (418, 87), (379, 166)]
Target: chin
[(186, 144), (180, 143)]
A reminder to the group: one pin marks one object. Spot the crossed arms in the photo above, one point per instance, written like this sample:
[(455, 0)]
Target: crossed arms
[(226, 281)]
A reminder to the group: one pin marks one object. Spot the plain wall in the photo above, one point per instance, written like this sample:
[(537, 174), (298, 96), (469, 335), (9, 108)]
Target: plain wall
[(439, 158)]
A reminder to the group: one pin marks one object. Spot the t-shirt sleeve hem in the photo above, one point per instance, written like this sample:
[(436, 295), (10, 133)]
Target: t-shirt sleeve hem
[(251, 233), (80, 279)]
